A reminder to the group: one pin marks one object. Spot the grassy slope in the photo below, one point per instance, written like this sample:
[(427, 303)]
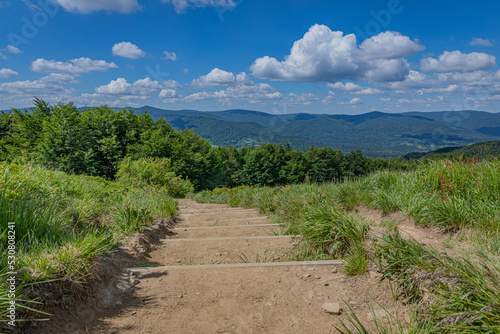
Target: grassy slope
[(465, 291), (64, 223)]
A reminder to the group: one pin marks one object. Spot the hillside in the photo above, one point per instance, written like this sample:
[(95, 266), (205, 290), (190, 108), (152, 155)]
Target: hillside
[(377, 134), (482, 150)]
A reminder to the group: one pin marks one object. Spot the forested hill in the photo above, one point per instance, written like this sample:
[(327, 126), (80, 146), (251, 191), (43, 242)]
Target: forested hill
[(377, 134)]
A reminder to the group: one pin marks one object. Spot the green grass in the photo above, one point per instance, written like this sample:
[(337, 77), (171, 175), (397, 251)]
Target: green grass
[(64, 224), (447, 294)]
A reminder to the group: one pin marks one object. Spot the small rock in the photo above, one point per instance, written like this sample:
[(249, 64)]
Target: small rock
[(332, 308), (335, 270), (307, 275), (311, 294), (124, 286), (135, 282), (286, 269), (133, 312), (279, 281), (178, 260), (317, 277), (311, 269), (218, 254), (181, 296), (225, 253), (326, 284)]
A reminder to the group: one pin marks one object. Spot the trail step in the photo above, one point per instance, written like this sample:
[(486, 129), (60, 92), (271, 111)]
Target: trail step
[(222, 226), (229, 238), (241, 265)]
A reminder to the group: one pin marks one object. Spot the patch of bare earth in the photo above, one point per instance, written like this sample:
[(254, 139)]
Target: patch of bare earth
[(212, 274), (439, 238)]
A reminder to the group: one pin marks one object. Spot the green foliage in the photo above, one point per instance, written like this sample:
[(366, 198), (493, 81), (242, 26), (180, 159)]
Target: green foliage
[(356, 262), (64, 223), (100, 141), (154, 172)]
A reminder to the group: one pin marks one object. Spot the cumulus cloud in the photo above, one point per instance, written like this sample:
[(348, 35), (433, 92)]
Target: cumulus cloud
[(354, 101), (127, 50), (326, 55), (7, 73), (180, 6), (481, 42), (216, 77), (240, 87), (122, 91), (457, 61), (13, 49), (74, 66), (169, 56), (353, 88), (414, 80), (50, 88), (92, 6)]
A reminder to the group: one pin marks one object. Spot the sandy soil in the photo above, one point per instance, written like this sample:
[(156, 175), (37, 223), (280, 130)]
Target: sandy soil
[(188, 299)]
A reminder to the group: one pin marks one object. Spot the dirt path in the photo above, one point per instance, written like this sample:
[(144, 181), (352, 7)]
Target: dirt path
[(216, 273)]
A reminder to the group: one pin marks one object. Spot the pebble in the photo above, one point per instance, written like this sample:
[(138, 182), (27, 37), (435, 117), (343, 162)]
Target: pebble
[(307, 275), (178, 260), (134, 312), (317, 277), (335, 270), (135, 282), (311, 294), (332, 308), (311, 269), (286, 269), (218, 254)]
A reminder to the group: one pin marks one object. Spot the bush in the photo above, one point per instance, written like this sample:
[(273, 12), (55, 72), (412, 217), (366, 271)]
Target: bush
[(155, 172)]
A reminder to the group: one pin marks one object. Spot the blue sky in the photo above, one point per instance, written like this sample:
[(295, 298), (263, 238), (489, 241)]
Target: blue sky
[(320, 56)]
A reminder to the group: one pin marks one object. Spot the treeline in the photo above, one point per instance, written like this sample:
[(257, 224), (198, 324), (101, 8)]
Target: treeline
[(95, 141)]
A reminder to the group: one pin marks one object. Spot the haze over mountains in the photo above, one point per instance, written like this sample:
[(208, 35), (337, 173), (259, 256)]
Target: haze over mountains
[(377, 134)]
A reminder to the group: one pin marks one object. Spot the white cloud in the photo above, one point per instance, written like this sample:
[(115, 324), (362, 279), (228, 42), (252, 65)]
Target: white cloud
[(385, 99), (326, 55), (7, 73), (128, 50), (216, 77), (481, 42), (92, 6), (414, 80), (475, 78), (142, 88), (171, 84), (240, 87), (457, 61), (50, 88), (120, 91), (13, 49), (74, 66), (169, 56), (449, 89), (180, 6), (353, 88), (389, 45), (353, 101)]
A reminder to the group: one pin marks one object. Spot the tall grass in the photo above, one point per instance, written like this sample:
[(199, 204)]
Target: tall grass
[(448, 294), (65, 223)]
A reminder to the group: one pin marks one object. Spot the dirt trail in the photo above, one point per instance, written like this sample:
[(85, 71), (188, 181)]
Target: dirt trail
[(213, 274)]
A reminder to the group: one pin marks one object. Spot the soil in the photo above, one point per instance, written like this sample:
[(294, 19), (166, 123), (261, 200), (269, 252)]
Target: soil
[(186, 298)]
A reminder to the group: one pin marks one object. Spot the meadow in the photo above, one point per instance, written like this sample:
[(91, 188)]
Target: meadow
[(457, 293)]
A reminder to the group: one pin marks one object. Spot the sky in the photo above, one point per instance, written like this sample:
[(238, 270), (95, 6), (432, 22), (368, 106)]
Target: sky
[(315, 56)]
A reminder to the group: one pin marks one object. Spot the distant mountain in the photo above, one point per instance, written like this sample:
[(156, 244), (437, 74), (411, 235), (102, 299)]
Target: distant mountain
[(377, 134), (482, 150)]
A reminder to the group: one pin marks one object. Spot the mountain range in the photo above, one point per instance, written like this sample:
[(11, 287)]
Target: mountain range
[(377, 134)]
